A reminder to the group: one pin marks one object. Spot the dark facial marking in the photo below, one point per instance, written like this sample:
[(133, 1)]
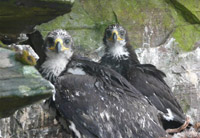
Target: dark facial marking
[(50, 41), (108, 33)]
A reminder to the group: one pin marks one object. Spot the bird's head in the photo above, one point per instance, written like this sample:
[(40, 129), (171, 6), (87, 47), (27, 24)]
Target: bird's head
[(115, 39), (58, 47), (115, 35), (58, 43)]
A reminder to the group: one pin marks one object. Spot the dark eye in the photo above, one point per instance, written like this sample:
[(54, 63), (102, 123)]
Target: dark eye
[(122, 33), (50, 41), (108, 33), (67, 41)]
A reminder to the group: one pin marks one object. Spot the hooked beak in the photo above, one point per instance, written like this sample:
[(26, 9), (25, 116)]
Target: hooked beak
[(115, 36), (58, 47)]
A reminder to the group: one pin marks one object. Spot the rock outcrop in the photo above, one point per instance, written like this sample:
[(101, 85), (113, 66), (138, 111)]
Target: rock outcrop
[(20, 85), (20, 16), (31, 122), (182, 70), (150, 23), (165, 33)]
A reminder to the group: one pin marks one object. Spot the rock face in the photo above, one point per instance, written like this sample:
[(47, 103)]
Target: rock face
[(149, 22), (171, 26), (17, 16), (166, 33), (182, 70), (31, 122), (20, 85)]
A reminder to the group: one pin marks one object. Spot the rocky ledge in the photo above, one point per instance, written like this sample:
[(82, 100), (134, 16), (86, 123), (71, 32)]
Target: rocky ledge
[(20, 85)]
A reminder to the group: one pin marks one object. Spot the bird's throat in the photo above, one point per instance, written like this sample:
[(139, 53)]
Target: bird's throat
[(54, 66), (118, 51)]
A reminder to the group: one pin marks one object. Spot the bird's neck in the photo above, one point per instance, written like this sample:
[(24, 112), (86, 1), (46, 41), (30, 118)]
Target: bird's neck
[(122, 53), (53, 67), (133, 56), (117, 51), (56, 66)]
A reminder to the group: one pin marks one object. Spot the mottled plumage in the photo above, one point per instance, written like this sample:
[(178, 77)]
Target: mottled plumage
[(94, 101), (144, 77)]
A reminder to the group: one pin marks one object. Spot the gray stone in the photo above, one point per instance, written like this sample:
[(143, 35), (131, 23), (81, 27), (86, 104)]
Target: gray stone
[(31, 122), (149, 22), (182, 70), (19, 16), (20, 85), (20, 48), (171, 25)]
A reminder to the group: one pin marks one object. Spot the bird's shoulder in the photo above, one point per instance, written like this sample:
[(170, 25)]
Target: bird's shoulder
[(83, 69), (97, 110), (151, 70), (101, 98), (150, 82)]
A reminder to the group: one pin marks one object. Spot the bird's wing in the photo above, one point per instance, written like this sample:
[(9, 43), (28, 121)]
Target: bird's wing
[(99, 107), (149, 81), (151, 69), (110, 77)]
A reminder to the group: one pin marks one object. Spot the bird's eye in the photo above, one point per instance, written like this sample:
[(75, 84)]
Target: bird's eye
[(122, 32), (108, 33), (50, 41), (67, 41)]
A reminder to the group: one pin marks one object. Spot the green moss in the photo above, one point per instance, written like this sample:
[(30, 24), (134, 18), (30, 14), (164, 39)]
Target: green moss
[(185, 105), (61, 1), (187, 36), (3, 45), (190, 9), (188, 15), (24, 86), (43, 88), (77, 19), (25, 58), (29, 71), (88, 20), (99, 11), (21, 17), (24, 89), (82, 28), (179, 20)]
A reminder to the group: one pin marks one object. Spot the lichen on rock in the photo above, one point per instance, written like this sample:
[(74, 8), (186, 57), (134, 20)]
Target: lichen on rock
[(166, 33), (149, 23), (20, 85), (182, 70)]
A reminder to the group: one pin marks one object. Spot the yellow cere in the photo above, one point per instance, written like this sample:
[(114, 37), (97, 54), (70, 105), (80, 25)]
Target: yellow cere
[(118, 37), (61, 43)]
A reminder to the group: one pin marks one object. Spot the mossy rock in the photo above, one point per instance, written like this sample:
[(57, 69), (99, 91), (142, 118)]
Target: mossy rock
[(20, 85), (187, 36), (80, 26), (19, 16), (2, 45), (149, 23), (189, 9)]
